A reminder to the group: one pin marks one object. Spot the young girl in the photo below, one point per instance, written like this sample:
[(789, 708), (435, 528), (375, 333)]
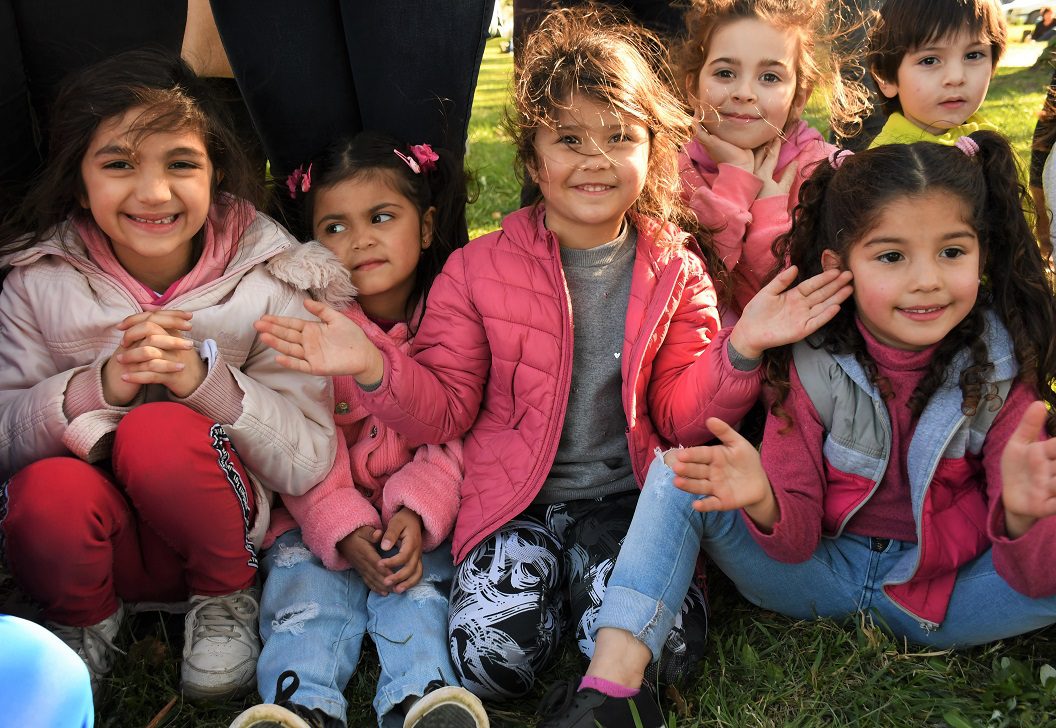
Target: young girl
[(905, 471), (389, 215), (748, 68), (933, 63), (139, 414), (566, 347)]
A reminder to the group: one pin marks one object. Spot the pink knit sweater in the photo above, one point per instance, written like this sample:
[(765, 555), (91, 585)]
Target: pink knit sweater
[(375, 474)]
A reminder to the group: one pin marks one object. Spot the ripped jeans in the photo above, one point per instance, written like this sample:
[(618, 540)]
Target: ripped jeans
[(312, 621)]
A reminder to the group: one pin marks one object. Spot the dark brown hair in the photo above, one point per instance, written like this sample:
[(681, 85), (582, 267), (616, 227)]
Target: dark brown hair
[(372, 155), (837, 209), (900, 26), (592, 51), (173, 98)]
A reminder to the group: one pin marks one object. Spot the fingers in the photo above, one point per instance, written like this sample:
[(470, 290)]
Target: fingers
[(154, 346), (283, 327), (1030, 424), (325, 313), (726, 434), (171, 319)]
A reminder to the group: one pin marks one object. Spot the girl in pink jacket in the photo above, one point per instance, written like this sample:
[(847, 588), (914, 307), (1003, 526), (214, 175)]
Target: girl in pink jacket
[(141, 417), (367, 551), (748, 68), (565, 347)]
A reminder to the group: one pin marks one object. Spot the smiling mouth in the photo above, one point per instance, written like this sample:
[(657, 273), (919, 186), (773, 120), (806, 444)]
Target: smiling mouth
[(593, 188), (740, 118), (154, 221)]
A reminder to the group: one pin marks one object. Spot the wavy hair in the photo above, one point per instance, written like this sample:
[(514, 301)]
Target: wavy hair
[(594, 51), (837, 209)]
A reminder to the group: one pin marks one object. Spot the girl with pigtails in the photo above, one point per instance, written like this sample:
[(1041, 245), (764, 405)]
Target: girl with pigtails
[(906, 471)]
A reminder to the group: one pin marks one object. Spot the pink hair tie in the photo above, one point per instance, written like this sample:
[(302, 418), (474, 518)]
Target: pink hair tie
[(836, 157), (299, 180), (966, 144), (421, 159)]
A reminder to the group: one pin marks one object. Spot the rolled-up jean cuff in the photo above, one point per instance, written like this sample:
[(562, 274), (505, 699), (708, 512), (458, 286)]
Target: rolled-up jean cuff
[(648, 621)]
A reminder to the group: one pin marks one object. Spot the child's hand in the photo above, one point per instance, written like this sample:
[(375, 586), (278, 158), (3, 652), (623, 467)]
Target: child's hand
[(730, 473), (723, 152), (151, 348), (765, 166), (332, 346), (405, 529), (360, 548), (776, 316), (1028, 473), (156, 352)]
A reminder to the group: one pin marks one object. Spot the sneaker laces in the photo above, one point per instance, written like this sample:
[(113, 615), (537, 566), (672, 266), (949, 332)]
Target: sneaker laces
[(92, 645), (222, 618)]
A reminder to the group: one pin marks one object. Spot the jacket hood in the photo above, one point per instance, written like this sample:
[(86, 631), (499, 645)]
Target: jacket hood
[(312, 267)]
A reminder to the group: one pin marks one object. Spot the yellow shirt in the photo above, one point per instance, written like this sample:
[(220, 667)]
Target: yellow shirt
[(900, 130)]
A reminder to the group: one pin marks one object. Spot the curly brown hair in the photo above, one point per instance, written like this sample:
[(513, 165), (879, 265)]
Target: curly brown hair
[(837, 209), (818, 65), (594, 51)]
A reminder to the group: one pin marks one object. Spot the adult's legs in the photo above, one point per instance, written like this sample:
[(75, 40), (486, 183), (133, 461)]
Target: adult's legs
[(415, 66)]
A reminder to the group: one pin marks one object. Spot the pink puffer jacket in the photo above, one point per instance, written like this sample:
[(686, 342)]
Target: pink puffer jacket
[(493, 360)]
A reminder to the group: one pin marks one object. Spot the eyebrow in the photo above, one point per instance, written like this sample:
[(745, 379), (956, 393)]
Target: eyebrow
[(111, 149), (127, 151), (948, 236), (736, 62)]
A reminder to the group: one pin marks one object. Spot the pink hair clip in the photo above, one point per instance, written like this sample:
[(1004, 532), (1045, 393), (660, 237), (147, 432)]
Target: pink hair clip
[(412, 163), (426, 156), (966, 144), (299, 179), (836, 157)]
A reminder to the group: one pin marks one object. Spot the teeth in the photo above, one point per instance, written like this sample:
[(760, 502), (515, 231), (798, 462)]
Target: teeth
[(160, 221), (594, 188)]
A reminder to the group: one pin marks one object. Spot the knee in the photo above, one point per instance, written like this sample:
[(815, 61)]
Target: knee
[(55, 493), (154, 427)]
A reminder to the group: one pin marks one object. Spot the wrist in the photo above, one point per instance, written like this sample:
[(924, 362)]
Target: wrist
[(765, 513), (743, 355), (370, 378), (1017, 525)]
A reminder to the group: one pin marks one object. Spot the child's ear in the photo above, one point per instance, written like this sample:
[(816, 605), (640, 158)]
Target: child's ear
[(428, 220), (691, 89), (888, 88), (830, 260), (799, 103), (532, 168)]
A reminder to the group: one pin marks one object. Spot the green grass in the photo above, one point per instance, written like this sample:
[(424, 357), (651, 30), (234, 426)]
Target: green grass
[(762, 670)]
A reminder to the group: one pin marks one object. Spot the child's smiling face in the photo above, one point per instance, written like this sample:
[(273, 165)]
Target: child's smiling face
[(941, 84), (916, 271), (745, 93)]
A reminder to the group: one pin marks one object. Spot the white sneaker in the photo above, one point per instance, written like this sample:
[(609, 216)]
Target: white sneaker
[(94, 644), (447, 707), (221, 645)]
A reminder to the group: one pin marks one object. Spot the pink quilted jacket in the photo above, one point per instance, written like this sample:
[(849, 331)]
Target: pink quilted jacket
[(493, 360)]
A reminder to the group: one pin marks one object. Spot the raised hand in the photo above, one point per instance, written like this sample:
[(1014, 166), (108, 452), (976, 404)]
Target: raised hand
[(777, 315), (730, 474), (152, 350), (332, 346), (1028, 473), (766, 158), (405, 530), (360, 548)]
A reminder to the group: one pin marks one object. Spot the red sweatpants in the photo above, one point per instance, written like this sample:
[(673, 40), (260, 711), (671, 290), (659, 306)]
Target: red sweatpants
[(169, 517)]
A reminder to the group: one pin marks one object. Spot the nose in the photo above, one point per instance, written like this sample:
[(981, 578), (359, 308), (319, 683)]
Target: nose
[(926, 276), (743, 90), (363, 239), (954, 73), (152, 188), (595, 156)]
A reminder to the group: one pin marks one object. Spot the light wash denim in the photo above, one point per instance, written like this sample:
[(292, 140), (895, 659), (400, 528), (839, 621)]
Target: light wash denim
[(312, 621), (842, 578)]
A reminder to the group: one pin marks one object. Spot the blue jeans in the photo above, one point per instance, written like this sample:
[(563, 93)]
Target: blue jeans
[(843, 577), (312, 621)]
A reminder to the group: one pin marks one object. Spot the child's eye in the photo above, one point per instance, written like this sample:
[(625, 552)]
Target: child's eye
[(724, 73), (975, 55), (569, 139), (952, 253), (770, 78), (890, 257), (183, 165), (618, 137), (928, 60), (381, 217), (334, 228), (118, 164)]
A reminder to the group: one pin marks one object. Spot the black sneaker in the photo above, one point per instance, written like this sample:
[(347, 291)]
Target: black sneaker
[(564, 706), (446, 706), (283, 713)]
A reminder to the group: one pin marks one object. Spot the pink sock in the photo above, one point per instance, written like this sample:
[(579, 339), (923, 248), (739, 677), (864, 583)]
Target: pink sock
[(606, 687)]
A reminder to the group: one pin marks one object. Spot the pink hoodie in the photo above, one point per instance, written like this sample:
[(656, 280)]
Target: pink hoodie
[(725, 199)]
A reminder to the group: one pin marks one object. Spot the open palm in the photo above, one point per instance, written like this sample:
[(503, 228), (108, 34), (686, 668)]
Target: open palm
[(333, 346)]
